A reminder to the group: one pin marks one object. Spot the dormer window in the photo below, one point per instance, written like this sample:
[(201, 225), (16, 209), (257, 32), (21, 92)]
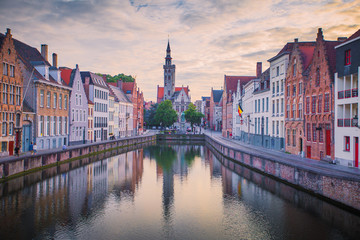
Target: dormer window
[(347, 57)]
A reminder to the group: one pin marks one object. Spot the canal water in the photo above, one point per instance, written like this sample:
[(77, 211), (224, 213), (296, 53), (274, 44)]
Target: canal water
[(165, 192)]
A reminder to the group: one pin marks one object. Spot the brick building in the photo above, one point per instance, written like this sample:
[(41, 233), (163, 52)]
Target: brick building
[(11, 88), (319, 100), (46, 94), (296, 75), (137, 98)]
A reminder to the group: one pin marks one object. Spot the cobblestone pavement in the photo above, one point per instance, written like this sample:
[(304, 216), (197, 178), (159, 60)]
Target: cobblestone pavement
[(319, 166)]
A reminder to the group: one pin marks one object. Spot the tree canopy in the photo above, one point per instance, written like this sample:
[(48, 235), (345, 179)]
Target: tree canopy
[(165, 114), (123, 77), (149, 115), (193, 116)]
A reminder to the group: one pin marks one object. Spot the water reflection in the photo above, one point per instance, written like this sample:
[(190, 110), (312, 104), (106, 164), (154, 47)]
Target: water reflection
[(164, 192)]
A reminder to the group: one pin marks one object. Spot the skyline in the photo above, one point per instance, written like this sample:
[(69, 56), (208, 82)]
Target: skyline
[(208, 39)]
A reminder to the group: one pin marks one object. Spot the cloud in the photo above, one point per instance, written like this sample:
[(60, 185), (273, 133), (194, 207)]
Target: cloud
[(209, 38)]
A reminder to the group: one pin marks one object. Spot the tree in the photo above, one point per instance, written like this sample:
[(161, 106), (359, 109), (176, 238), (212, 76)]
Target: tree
[(165, 114), (193, 116), (149, 115), (123, 77)]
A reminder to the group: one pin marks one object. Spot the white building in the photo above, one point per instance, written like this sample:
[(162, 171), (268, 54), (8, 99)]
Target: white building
[(347, 101), (278, 67), (97, 91)]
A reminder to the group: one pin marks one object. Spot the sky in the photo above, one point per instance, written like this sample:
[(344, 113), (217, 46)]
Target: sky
[(208, 38)]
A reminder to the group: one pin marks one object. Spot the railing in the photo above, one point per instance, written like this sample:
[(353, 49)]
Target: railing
[(346, 122), (348, 93)]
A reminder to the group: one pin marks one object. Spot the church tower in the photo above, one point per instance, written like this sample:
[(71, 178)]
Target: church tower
[(169, 75)]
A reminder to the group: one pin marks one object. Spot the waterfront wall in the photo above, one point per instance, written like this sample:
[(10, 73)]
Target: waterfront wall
[(181, 137), (24, 164), (331, 185)]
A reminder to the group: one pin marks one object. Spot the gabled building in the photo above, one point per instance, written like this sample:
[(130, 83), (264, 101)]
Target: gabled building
[(11, 98), (215, 109), (205, 109), (230, 87), (296, 76), (319, 98), (78, 110), (46, 94), (97, 92), (347, 101)]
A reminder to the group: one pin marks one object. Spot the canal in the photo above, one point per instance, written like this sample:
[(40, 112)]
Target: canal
[(165, 192)]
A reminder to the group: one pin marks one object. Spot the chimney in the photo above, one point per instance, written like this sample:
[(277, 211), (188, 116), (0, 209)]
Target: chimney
[(258, 69), (119, 83), (320, 34), (296, 40), (44, 51), (342, 39), (87, 80), (54, 60), (8, 31)]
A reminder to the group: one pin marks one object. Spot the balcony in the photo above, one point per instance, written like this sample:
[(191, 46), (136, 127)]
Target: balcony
[(348, 93)]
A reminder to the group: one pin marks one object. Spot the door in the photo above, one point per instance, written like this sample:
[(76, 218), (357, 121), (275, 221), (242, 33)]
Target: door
[(328, 142), (308, 151), (11, 148), (301, 145), (26, 138), (356, 151)]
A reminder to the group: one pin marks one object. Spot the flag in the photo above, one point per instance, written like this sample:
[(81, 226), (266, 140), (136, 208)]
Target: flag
[(240, 111)]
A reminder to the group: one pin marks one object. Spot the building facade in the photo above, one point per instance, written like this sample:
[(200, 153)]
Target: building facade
[(97, 92), (347, 101), (78, 110), (215, 119), (90, 121), (11, 99), (46, 94), (319, 101), (296, 76)]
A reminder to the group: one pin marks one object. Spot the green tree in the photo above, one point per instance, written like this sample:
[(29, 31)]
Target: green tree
[(193, 116), (165, 114), (149, 115), (123, 77)]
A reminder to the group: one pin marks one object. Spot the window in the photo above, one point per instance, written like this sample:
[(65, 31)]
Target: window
[(267, 123), (294, 137), (317, 79), (273, 88), (55, 100), (48, 126), (77, 115), (313, 104), (277, 128), (300, 88), (12, 71), (307, 105), (53, 128), (277, 87), (348, 57), (326, 103), (5, 69), (308, 132), (5, 93), (282, 86), (78, 85), (347, 143), (277, 106), (267, 104), (11, 93), (258, 105), (300, 110), (66, 125), (263, 104), (288, 137), (84, 113), (41, 127), (287, 110), (65, 101), (255, 105), (48, 98), (320, 103), (321, 135), (4, 128), (255, 125), (294, 69), (314, 132), (282, 106), (294, 89), (18, 95), (293, 112), (277, 71), (80, 100), (288, 90), (76, 100), (273, 127), (59, 129), (41, 98), (273, 107), (60, 101)]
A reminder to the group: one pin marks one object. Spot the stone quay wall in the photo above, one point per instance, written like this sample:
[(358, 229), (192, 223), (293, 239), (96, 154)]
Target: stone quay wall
[(340, 188), (25, 164)]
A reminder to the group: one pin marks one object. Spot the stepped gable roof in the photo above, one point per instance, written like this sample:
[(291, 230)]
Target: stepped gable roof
[(331, 55), (160, 92), (232, 81), (119, 94), (217, 95), (307, 51)]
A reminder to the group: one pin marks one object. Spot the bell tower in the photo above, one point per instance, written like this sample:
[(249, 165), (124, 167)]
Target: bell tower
[(169, 75)]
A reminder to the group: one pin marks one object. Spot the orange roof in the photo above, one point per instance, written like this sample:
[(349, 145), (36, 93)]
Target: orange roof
[(307, 55), (160, 93), (128, 86), (232, 81), (66, 75)]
